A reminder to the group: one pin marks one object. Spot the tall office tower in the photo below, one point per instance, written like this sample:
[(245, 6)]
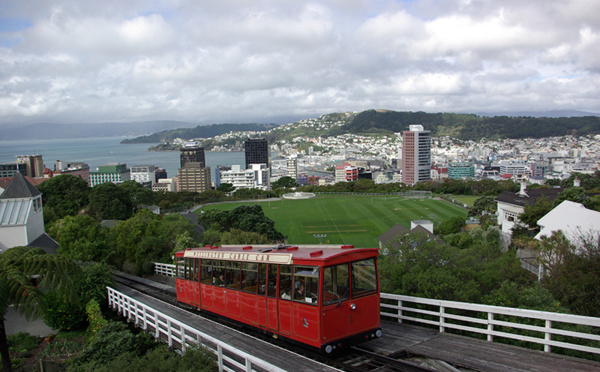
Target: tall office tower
[(34, 164), (192, 152), (292, 167), (193, 174), (257, 152), (416, 155)]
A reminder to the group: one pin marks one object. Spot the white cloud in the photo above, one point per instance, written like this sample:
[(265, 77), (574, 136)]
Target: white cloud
[(237, 60)]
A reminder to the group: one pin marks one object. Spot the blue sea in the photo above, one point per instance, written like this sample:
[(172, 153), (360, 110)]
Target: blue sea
[(101, 151)]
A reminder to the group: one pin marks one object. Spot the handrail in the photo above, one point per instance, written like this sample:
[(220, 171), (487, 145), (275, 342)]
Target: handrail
[(491, 321), (495, 321), (181, 336), (164, 269)]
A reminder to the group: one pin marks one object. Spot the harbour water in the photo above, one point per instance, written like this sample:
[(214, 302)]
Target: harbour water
[(101, 151)]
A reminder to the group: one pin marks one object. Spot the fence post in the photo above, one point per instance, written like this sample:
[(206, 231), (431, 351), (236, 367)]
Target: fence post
[(490, 327), (442, 319), (220, 357), (399, 311), (548, 336)]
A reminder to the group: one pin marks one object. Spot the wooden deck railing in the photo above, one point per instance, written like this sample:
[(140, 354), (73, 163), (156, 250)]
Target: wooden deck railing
[(538, 327), (180, 336)]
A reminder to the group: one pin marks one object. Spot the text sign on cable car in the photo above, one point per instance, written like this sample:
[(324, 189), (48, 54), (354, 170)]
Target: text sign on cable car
[(274, 258)]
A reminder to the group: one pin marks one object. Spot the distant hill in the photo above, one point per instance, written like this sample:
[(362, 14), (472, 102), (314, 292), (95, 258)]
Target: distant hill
[(470, 126), (201, 131), (55, 131)]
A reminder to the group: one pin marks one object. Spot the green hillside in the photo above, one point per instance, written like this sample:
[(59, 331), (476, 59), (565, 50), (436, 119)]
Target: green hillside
[(356, 220)]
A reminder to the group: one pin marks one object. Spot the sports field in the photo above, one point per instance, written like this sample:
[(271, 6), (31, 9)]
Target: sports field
[(355, 219)]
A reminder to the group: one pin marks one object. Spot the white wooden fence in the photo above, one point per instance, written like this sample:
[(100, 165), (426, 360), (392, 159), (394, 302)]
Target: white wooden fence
[(495, 321), (164, 269), (180, 336), (491, 321)]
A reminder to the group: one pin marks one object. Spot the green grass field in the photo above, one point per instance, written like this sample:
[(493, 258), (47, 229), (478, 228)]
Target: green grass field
[(466, 199), (356, 220)]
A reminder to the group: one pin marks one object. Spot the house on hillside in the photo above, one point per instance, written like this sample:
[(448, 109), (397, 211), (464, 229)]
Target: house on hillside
[(22, 217), (511, 205), (392, 236), (575, 221)]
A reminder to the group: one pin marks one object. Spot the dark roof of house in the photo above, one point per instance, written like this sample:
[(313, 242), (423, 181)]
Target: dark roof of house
[(393, 234), (45, 242), (530, 199), (19, 187), (397, 231)]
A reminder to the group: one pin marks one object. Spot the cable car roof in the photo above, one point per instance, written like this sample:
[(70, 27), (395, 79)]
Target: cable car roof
[(275, 254)]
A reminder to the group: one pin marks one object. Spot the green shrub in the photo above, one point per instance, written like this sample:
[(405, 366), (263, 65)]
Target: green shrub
[(94, 316), (22, 341), (63, 314)]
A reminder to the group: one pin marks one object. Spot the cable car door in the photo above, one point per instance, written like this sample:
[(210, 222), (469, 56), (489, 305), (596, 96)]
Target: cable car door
[(272, 321)]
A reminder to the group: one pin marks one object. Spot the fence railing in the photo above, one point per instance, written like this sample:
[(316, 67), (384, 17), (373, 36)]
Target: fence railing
[(181, 336), (164, 269), (537, 327)]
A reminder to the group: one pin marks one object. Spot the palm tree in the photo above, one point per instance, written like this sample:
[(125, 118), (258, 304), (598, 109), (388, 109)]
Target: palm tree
[(18, 266)]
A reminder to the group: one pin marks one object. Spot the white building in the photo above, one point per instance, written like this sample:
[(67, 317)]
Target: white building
[(257, 177), (143, 173), (22, 217)]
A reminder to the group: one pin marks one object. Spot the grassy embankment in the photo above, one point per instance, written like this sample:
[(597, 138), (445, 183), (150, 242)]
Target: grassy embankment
[(355, 219)]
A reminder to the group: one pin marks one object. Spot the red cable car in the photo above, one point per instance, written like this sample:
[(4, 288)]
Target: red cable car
[(324, 296)]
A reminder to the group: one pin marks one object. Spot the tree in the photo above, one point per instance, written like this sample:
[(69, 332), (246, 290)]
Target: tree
[(483, 205), (137, 194), (533, 213), (64, 195), (81, 238), (572, 271), (450, 226), (226, 187), (245, 217), (17, 266), (284, 183), (108, 201)]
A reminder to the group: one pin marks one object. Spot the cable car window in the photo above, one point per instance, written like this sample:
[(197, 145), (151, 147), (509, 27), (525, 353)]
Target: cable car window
[(190, 269), (261, 282), (285, 282), (206, 272), (232, 275), (249, 271), (272, 281), (364, 277), (219, 273), (180, 262), (336, 284), (306, 284)]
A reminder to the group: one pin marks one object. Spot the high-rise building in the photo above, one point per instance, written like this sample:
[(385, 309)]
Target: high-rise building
[(192, 152), (257, 152), (416, 155), (34, 165), (292, 167), (194, 177), (193, 174)]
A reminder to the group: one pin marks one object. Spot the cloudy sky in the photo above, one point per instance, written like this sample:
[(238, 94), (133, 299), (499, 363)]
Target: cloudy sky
[(72, 61)]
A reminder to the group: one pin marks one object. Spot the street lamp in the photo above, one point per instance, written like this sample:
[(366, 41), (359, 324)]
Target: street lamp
[(320, 236)]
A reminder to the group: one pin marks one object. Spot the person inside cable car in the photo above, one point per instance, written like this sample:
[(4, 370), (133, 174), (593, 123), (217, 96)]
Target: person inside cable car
[(220, 280), (299, 293)]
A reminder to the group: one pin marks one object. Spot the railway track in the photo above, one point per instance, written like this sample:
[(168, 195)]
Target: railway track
[(352, 360)]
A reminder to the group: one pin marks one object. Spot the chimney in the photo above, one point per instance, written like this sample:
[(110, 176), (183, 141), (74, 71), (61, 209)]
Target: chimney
[(522, 192)]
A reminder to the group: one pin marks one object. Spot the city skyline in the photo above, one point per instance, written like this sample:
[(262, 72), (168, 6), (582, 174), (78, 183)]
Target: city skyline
[(74, 62)]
